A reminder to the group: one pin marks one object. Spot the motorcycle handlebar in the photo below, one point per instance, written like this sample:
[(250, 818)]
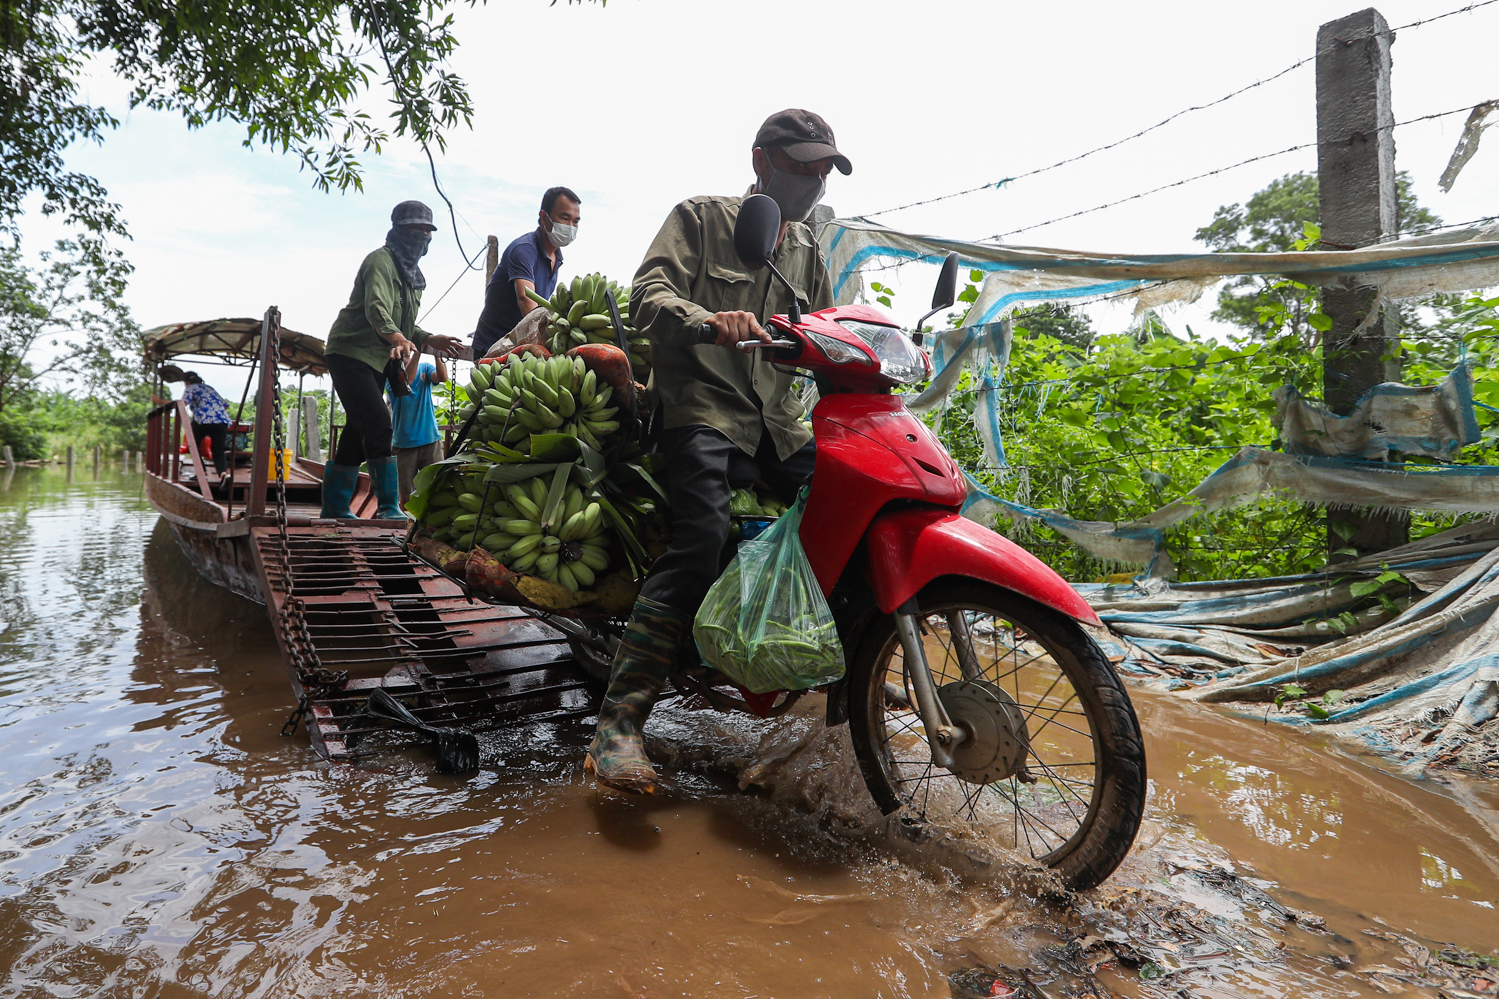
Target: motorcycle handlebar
[(706, 334)]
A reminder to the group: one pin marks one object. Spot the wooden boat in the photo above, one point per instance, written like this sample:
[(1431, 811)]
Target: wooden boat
[(352, 610), (210, 521)]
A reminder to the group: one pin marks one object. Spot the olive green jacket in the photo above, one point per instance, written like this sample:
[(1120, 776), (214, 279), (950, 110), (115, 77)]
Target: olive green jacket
[(691, 272), (380, 301)]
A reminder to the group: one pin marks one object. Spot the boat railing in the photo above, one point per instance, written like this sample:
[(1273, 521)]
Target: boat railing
[(166, 425)]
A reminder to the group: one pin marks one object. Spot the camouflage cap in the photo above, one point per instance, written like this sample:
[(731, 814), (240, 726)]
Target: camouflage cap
[(412, 213)]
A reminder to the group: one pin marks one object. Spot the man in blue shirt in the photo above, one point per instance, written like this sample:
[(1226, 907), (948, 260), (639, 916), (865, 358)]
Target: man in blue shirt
[(532, 261), (415, 439)]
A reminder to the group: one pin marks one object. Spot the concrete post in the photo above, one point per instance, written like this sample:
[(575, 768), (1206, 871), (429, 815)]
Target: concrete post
[(1357, 194), (140, 461), (313, 432), (125, 459), (10, 457)]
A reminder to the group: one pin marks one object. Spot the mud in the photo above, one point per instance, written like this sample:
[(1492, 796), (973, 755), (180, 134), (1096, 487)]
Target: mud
[(157, 837)]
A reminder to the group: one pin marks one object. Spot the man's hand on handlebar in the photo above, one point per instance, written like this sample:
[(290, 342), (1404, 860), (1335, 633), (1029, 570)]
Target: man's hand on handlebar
[(732, 328)]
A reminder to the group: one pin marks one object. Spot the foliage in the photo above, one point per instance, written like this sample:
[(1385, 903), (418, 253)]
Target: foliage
[(64, 318), (290, 71), (1115, 432), (27, 440), (1276, 220)]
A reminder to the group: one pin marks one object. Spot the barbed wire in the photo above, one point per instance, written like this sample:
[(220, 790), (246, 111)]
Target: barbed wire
[(1223, 169), (1163, 122)]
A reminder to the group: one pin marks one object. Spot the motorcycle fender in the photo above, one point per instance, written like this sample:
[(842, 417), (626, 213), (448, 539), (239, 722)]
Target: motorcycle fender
[(910, 548)]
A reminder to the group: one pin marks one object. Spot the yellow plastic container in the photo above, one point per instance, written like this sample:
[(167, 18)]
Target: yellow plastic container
[(287, 457)]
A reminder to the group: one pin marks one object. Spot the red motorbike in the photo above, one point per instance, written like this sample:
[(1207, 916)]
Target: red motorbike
[(976, 700)]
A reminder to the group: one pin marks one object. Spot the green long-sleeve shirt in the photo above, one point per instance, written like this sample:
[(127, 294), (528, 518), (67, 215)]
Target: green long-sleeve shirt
[(380, 303), (690, 272)]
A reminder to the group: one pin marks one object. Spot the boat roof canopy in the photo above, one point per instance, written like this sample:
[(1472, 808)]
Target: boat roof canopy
[(231, 341)]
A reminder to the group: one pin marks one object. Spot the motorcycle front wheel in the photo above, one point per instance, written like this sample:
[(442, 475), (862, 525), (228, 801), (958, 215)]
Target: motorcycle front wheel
[(1053, 768)]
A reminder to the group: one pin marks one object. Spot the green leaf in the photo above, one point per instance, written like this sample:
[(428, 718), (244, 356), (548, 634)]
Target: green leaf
[(1364, 587), (506, 474), (1317, 711), (1334, 696)]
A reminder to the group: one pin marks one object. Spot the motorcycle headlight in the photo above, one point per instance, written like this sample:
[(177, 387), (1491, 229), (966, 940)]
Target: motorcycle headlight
[(836, 350), (900, 360)]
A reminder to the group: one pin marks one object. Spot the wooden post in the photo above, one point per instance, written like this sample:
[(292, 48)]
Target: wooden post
[(264, 414), (70, 463), (1357, 195), (125, 459), (96, 461), (491, 260), (10, 457), (140, 461), (313, 432)]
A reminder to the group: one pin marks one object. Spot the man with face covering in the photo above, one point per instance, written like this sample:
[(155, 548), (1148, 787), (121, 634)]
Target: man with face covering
[(529, 262), (378, 326), (729, 417)]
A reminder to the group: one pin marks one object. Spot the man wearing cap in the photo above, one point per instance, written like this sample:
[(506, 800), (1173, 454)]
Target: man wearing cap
[(729, 417), (375, 330), (529, 262)]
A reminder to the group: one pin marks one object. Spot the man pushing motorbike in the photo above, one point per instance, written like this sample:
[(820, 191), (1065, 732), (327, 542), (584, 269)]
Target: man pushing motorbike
[(728, 415)]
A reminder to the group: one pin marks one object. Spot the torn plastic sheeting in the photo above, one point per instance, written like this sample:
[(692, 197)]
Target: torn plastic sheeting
[(1467, 143), (1015, 275), (1432, 420), (1254, 473)]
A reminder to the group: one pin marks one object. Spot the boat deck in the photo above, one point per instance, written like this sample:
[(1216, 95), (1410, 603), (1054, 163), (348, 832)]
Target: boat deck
[(349, 596)]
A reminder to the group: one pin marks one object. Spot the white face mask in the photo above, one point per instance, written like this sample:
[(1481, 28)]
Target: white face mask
[(561, 235)]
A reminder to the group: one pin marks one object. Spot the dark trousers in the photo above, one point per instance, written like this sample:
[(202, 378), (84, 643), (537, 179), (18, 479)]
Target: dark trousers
[(361, 391), (704, 466), (218, 438)]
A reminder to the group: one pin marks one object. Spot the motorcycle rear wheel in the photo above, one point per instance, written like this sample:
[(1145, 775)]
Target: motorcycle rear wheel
[(1064, 785)]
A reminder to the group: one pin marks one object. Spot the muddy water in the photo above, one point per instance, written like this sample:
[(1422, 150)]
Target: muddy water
[(158, 838)]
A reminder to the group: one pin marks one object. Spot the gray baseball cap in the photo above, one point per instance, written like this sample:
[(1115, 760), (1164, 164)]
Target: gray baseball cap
[(412, 213)]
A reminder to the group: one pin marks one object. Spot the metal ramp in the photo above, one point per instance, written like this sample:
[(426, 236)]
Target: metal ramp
[(353, 612)]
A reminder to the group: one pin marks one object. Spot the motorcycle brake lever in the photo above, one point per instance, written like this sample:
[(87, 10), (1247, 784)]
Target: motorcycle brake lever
[(749, 345)]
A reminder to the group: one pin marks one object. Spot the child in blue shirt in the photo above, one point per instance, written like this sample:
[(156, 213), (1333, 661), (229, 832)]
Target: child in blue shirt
[(415, 440)]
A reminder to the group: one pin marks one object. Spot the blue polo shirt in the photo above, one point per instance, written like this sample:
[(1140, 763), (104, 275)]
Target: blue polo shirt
[(413, 419), (525, 259)]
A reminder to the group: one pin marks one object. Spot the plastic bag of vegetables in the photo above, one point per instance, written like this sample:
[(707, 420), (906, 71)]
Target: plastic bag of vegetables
[(765, 624)]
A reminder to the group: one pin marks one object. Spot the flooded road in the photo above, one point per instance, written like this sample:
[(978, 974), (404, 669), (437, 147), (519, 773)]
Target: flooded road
[(158, 837)]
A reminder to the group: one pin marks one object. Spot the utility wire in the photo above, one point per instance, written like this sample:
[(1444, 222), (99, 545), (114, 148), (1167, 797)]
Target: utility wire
[(468, 266), (1165, 121)]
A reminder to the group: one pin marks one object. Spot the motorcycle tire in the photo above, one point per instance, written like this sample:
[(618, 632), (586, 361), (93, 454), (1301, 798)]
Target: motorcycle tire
[(1057, 774)]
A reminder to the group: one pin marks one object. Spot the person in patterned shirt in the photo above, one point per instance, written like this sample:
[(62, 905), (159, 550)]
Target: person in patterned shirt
[(210, 417)]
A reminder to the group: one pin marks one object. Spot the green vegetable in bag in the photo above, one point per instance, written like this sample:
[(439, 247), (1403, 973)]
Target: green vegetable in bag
[(765, 624)]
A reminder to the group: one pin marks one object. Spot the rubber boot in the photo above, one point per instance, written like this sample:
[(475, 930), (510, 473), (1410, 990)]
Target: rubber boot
[(338, 490), (617, 756), (386, 481)]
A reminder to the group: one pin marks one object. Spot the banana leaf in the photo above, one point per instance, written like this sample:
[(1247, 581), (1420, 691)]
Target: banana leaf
[(429, 480)]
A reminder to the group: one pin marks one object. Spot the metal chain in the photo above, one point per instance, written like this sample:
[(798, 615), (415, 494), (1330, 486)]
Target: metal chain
[(315, 679)]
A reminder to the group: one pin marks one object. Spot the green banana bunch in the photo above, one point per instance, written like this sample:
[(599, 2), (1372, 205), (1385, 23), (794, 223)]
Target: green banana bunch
[(580, 315), (541, 395), (565, 544)]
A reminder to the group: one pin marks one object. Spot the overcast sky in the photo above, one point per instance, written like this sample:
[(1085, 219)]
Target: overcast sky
[(642, 103)]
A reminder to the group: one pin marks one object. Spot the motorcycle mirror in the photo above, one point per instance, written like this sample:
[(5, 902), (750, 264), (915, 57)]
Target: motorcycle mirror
[(946, 292), (944, 296), (756, 230)]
